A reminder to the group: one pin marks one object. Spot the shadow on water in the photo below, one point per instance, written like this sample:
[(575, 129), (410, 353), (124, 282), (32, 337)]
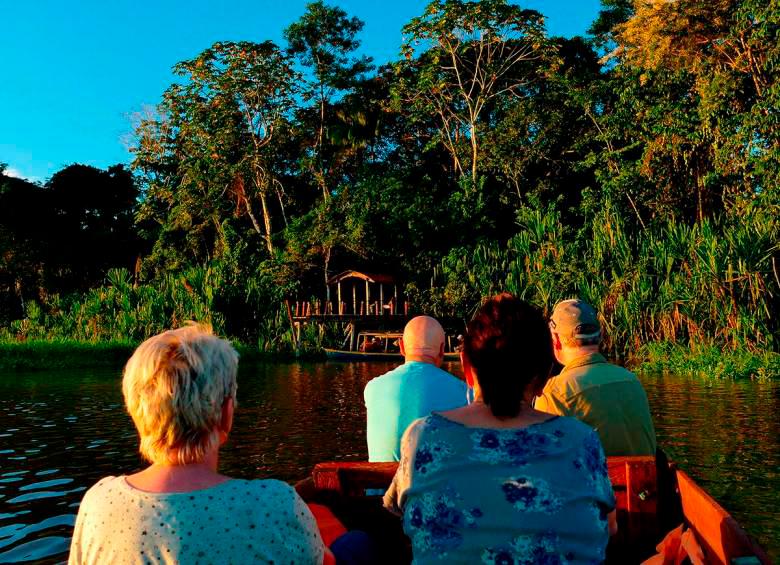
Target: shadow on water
[(61, 432)]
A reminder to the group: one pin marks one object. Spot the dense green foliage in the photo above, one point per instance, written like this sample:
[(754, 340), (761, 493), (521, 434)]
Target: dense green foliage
[(700, 283), (707, 362), (637, 168), (63, 236)]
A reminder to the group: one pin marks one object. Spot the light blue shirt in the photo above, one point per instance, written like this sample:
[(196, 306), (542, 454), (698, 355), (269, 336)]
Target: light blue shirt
[(397, 398)]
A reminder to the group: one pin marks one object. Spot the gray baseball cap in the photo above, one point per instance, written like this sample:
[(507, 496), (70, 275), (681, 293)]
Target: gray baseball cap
[(575, 319)]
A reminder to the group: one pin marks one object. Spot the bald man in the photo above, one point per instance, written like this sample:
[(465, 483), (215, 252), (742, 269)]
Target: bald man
[(413, 390)]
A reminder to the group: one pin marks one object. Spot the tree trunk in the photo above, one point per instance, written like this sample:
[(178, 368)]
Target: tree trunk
[(320, 137), (473, 130), (326, 262), (267, 221)]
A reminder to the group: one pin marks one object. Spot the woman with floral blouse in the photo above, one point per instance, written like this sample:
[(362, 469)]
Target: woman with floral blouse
[(496, 481)]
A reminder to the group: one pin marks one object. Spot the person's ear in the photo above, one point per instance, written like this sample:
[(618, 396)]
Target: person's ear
[(226, 420), (468, 370), (401, 346)]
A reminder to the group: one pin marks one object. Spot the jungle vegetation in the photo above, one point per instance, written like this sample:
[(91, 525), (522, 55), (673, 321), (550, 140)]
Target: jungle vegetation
[(637, 167)]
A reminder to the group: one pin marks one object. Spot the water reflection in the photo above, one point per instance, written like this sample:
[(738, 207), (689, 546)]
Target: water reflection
[(61, 432)]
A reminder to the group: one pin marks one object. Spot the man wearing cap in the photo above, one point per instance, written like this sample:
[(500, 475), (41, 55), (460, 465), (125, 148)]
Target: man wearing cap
[(607, 397), (413, 390)]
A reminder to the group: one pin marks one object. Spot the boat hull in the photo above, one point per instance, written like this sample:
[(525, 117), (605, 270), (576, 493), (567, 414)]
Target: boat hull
[(653, 498)]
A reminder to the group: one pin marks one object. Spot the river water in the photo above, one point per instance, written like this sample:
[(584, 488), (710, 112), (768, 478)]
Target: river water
[(62, 431)]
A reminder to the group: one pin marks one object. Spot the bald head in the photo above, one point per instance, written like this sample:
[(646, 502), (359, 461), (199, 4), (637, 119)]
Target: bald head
[(423, 340)]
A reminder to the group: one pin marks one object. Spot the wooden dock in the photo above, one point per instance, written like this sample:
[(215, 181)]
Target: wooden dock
[(363, 303)]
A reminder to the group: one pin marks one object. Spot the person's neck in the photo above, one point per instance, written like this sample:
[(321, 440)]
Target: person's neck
[(420, 359), (478, 415), (572, 353), (168, 477)]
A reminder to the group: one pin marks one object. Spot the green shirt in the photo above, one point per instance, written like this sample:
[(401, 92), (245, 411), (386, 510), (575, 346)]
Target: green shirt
[(608, 398)]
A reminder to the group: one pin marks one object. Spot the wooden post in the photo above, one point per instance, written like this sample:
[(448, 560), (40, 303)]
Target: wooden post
[(339, 296), (368, 298), (289, 313), (395, 299), (381, 298), (297, 332), (354, 299)]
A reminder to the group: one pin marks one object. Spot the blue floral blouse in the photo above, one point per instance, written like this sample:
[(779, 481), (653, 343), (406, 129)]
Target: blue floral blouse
[(539, 494)]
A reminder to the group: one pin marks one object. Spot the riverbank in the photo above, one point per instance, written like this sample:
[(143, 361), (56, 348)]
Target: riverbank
[(52, 355), (706, 362)]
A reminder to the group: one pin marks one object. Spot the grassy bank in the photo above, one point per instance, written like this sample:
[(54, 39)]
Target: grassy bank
[(51, 355), (707, 362)]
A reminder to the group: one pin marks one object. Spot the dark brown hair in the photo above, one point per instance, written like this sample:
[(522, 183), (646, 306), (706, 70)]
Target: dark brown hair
[(508, 343)]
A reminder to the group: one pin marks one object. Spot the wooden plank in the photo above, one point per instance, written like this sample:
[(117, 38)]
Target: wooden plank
[(719, 535), (353, 478), (630, 477), (642, 503)]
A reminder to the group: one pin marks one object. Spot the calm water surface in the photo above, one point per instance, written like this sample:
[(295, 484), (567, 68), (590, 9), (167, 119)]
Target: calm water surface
[(62, 431)]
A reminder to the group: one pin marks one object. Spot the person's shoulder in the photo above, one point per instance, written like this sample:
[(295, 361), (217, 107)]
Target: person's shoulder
[(106, 488), (578, 379), (619, 370), (262, 494), (385, 379), (420, 427), (445, 376), (265, 488), (107, 484)]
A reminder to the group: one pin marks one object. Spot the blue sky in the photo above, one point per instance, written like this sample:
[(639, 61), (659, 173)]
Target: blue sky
[(75, 72)]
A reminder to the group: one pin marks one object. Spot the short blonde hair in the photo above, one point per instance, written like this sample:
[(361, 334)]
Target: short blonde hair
[(175, 385)]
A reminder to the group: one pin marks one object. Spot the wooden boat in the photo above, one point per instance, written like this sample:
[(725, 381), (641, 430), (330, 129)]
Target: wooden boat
[(343, 355), (653, 499), (379, 346)]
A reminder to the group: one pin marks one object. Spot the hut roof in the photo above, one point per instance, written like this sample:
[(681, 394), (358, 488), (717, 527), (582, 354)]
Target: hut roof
[(370, 277)]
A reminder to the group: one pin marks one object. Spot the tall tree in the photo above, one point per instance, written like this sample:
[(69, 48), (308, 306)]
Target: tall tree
[(699, 76), (215, 130), (467, 55), (324, 41)]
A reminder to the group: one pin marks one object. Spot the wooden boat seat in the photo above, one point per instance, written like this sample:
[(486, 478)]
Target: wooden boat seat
[(653, 497)]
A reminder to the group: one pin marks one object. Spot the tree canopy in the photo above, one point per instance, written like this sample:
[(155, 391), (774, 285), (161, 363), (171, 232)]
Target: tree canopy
[(490, 155)]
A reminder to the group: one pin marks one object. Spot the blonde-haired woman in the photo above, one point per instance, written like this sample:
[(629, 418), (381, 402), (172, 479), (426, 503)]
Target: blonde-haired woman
[(180, 390)]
